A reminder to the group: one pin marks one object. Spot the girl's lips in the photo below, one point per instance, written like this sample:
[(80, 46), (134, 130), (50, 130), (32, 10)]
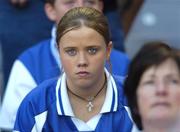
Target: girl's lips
[(83, 74)]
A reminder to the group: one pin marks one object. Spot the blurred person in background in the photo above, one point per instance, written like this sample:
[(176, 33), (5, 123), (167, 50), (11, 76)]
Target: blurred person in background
[(153, 88), (23, 23)]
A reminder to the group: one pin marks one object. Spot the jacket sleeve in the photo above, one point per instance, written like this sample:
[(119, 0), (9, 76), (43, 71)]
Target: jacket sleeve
[(25, 119), (19, 85)]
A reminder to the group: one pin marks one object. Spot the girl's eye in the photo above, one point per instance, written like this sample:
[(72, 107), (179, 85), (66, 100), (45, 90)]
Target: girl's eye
[(71, 52), (92, 51)]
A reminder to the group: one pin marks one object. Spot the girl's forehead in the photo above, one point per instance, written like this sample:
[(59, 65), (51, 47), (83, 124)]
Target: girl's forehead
[(83, 36)]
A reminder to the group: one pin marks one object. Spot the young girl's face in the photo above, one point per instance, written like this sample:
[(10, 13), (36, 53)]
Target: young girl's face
[(83, 53)]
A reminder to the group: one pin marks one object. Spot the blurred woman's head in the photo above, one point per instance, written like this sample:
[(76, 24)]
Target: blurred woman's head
[(153, 84)]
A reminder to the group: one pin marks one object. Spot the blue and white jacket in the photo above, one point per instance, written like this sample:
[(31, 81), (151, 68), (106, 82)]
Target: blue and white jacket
[(47, 108), (35, 65)]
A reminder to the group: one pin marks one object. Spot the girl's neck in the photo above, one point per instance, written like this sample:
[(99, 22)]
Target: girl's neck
[(85, 108), (88, 91)]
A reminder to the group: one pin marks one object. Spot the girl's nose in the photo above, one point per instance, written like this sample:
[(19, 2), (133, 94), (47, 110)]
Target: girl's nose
[(82, 60)]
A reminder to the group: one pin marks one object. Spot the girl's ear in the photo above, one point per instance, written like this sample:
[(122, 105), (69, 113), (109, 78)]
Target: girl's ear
[(50, 12), (108, 50)]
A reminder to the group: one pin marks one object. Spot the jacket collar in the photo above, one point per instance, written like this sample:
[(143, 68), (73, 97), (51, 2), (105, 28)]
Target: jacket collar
[(63, 102)]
